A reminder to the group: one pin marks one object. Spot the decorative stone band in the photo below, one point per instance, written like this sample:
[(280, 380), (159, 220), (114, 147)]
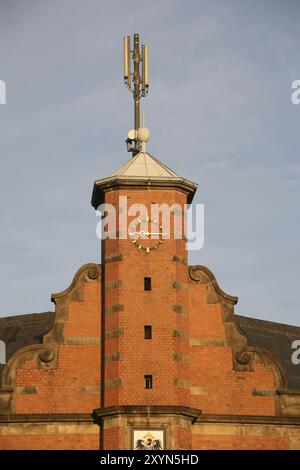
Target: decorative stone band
[(82, 340), (207, 342), (179, 285), (179, 309), (114, 284), (247, 419), (199, 391), (177, 259), (114, 333), (263, 392), (113, 258), (114, 357), (100, 413), (46, 418), (181, 382), (180, 334), (90, 389), (179, 357), (114, 308), (27, 390), (113, 383)]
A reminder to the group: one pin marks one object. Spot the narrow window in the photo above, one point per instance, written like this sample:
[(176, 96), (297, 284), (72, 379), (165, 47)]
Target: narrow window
[(148, 381), (148, 332), (147, 283)]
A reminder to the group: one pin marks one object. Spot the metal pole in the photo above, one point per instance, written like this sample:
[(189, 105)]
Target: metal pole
[(136, 81)]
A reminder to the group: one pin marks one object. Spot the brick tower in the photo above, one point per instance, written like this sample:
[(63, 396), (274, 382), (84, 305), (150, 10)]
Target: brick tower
[(145, 324)]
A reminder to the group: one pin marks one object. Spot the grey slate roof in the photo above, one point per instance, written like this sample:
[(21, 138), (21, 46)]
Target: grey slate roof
[(22, 330), (276, 338)]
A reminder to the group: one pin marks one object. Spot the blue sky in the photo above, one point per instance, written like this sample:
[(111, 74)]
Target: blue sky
[(220, 113)]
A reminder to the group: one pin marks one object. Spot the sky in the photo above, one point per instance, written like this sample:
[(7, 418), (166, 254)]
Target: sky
[(220, 113)]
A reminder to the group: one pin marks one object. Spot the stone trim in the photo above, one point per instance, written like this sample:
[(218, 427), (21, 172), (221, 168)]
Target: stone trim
[(113, 383), (114, 308), (203, 275), (181, 383), (177, 259), (114, 284), (245, 419), (90, 389), (26, 390), (75, 290), (179, 285), (45, 418), (199, 391), (78, 340), (180, 334), (113, 258), (263, 392), (179, 357), (207, 342), (179, 309), (288, 392), (114, 357), (123, 182), (101, 413), (114, 333)]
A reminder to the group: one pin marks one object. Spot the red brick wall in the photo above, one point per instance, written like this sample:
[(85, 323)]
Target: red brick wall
[(240, 442), (69, 387), (223, 390), (44, 441), (156, 308), (113, 438)]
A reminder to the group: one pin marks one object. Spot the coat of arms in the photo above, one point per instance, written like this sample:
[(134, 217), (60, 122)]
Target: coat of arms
[(148, 440)]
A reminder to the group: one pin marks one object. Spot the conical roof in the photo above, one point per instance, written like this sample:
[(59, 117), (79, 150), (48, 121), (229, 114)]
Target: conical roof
[(142, 170)]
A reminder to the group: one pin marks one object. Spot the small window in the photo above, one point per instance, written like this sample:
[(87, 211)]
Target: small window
[(148, 381), (148, 332), (147, 283)]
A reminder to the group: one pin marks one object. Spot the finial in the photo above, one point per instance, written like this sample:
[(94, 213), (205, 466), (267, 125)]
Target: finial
[(140, 85), (143, 135)]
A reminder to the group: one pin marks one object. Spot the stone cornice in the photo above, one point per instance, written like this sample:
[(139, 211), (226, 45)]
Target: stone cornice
[(46, 418), (192, 413), (245, 419), (106, 184)]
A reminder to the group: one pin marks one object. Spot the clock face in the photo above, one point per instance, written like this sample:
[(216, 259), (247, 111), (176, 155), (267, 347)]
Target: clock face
[(147, 234)]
